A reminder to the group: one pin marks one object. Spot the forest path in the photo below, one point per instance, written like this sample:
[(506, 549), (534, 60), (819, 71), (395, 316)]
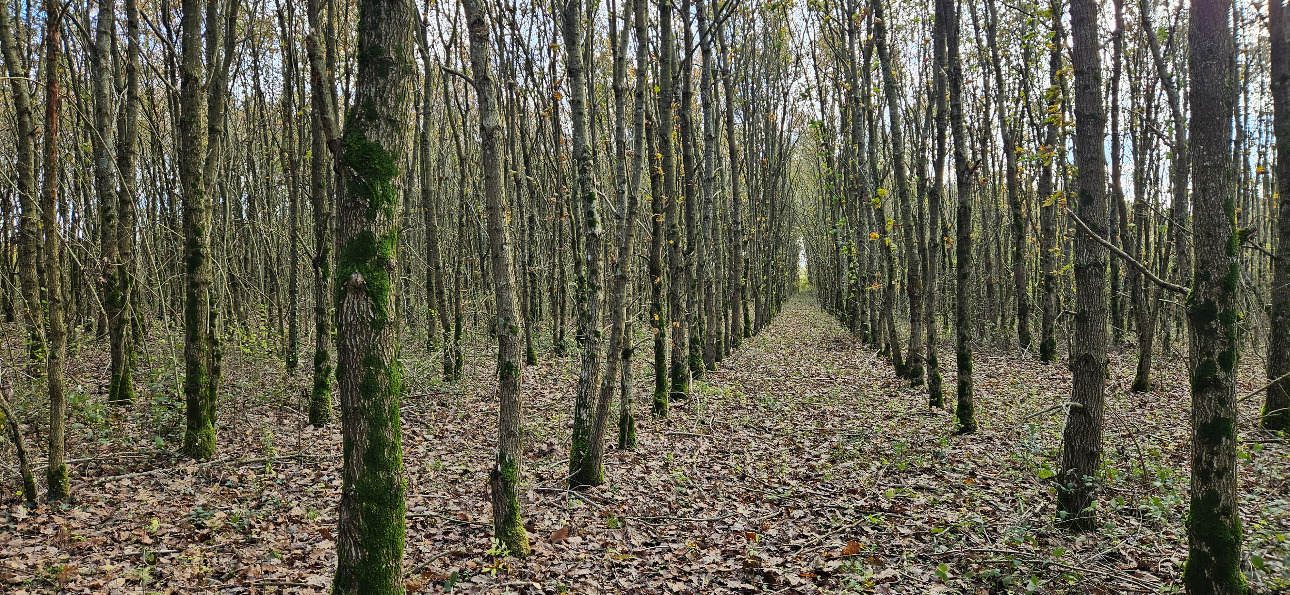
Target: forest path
[(802, 465)]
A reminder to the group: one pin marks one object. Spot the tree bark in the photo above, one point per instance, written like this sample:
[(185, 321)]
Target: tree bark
[(1276, 409), (965, 409), (370, 174), (584, 470), (1214, 521), (1082, 436), (57, 486), (29, 211), (913, 269), (504, 476)]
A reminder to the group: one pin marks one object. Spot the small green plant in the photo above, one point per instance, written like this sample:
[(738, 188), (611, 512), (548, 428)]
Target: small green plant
[(497, 549)]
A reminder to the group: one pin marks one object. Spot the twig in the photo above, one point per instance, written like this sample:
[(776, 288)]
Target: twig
[(1256, 391), (573, 493), (1053, 408)]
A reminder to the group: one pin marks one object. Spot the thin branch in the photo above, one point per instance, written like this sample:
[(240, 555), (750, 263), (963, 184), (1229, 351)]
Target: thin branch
[(1125, 257)]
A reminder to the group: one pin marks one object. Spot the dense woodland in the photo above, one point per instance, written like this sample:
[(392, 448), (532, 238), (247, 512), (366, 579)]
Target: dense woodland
[(386, 296)]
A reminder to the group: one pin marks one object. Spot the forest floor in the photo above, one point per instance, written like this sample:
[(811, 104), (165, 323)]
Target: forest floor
[(800, 466)]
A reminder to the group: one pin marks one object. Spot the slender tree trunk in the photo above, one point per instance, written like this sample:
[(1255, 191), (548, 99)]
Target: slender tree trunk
[(504, 477), (199, 350), (290, 161), (1119, 227), (28, 209), (1047, 195), (965, 409), (935, 389), (369, 374), (913, 273), (57, 486), (1082, 436), (680, 374), (121, 387), (1012, 178), (627, 181), (1276, 409), (584, 470), (706, 286), (324, 141), (1214, 527), (105, 186)]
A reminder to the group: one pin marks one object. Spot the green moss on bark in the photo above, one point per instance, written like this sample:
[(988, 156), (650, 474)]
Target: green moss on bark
[(1215, 567), (59, 486), (504, 479)]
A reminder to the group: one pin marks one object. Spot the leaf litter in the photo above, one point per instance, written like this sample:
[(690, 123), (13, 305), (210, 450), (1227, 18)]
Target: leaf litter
[(802, 465)]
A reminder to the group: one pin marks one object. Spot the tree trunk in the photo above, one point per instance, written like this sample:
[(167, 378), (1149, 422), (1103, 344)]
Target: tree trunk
[(1082, 436), (964, 410), (913, 272), (584, 470), (1214, 526), (1276, 409), (1013, 183), (627, 181), (1048, 229), (29, 211), (57, 486), (324, 141), (369, 177), (505, 474), (121, 387)]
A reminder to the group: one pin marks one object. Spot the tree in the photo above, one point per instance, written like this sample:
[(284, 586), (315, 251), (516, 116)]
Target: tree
[(369, 373), (1276, 409), (1012, 178), (201, 351), (504, 477), (123, 270), (57, 486), (28, 219), (584, 469), (965, 408), (1045, 190), (1214, 519), (324, 143), (914, 276), (1082, 435)]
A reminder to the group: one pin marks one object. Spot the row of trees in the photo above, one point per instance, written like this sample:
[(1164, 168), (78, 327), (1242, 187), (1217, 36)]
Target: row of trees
[(566, 162), (1205, 120)]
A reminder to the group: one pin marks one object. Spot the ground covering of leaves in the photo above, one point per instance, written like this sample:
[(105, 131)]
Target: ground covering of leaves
[(800, 466)]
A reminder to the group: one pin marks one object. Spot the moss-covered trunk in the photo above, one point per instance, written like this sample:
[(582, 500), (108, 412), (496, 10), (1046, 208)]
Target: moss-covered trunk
[(1213, 520), (28, 213), (368, 374)]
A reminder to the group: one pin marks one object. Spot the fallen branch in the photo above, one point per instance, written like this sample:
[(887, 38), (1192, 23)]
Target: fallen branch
[(1032, 559)]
